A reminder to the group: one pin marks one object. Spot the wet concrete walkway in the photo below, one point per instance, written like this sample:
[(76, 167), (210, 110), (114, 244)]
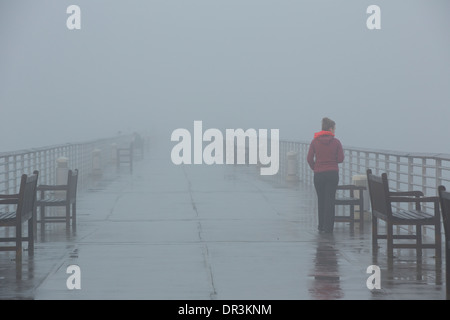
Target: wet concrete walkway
[(219, 232)]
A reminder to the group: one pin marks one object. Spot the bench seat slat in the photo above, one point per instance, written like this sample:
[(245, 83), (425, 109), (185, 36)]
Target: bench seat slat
[(7, 216), (412, 215), (347, 199), (50, 200)]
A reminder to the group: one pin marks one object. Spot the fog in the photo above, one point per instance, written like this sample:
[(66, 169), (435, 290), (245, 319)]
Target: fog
[(155, 66)]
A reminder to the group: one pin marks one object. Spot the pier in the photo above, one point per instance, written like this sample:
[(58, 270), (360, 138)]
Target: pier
[(200, 232)]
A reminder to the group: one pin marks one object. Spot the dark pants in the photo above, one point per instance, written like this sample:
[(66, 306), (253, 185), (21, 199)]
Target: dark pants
[(326, 184)]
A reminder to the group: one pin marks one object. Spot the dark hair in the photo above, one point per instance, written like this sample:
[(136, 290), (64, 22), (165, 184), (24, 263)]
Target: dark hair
[(327, 124)]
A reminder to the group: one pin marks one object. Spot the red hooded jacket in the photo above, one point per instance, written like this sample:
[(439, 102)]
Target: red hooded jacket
[(325, 152)]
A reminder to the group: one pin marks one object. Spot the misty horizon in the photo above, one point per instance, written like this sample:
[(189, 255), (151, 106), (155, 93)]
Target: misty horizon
[(155, 66)]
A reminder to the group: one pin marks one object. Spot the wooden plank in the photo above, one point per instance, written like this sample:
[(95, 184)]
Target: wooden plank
[(7, 215)]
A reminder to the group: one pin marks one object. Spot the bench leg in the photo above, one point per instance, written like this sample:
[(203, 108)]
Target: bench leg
[(352, 217), (68, 216), (19, 243), (374, 233), (438, 240), (31, 236), (447, 270), (42, 213), (390, 240), (35, 223), (419, 240), (361, 212), (74, 216)]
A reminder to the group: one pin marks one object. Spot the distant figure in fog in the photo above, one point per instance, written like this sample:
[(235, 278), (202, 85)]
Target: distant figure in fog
[(324, 155), (137, 140)]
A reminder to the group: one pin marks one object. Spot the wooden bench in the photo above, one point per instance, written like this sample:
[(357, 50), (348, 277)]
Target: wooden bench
[(125, 156), (348, 198), (444, 199), (59, 196), (25, 202), (381, 200)]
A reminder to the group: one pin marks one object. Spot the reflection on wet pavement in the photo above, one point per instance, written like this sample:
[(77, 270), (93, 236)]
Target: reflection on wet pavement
[(326, 284)]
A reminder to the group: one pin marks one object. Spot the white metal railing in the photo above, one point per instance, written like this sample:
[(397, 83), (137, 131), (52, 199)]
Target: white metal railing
[(80, 156), (406, 171), (88, 157)]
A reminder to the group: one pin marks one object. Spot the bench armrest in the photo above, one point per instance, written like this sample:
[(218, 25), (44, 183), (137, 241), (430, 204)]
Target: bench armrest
[(350, 187), (406, 193), (10, 201), (44, 187), (9, 196), (417, 201)]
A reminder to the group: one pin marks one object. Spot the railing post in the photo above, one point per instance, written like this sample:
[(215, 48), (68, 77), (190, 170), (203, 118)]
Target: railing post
[(15, 175), (424, 176), (424, 186), (96, 162), (377, 163), (304, 165), (114, 153), (358, 159), (410, 176), (350, 171), (33, 161), (7, 177), (410, 173), (367, 155), (386, 163), (438, 180), (347, 163), (291, 170), (62, 169)]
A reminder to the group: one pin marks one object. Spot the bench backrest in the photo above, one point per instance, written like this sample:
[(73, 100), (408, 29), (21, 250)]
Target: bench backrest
[(379, 193), (27, 197), (444, 200), (125, 152), (72, 182)]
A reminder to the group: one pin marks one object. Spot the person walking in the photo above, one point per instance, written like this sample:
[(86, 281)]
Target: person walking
[(324, 154)]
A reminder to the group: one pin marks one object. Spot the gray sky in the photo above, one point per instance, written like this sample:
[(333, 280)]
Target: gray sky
[(155, 66)]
